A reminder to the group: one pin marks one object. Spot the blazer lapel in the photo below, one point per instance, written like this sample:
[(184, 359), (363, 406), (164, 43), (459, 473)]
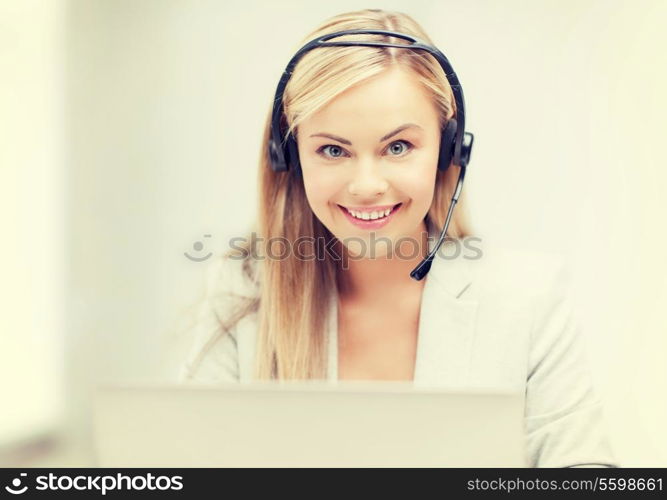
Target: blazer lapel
[(447, 322)]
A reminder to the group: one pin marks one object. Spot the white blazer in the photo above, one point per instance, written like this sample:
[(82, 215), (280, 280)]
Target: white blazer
[(500, 320)]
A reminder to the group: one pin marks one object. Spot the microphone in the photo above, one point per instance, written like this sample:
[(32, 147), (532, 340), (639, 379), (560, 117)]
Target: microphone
[(424, 266)]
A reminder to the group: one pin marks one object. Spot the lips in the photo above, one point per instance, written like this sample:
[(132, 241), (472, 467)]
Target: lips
[(375, 223)]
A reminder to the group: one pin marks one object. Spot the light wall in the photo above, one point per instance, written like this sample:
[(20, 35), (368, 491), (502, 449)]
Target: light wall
[(32, 182), (165, 101)]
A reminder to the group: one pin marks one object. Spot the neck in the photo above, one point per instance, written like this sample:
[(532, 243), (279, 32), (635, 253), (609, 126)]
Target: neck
[(370, 278)]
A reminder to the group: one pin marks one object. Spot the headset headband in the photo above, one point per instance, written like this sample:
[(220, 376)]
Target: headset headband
[(462, 140)]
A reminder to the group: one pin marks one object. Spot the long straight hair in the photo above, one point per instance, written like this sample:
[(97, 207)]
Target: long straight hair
[(294, 297)]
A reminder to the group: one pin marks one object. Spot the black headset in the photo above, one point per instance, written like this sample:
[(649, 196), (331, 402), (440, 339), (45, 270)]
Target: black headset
[(455, 142)]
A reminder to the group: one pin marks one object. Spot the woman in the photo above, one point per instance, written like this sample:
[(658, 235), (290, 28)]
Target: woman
[(335, 300)]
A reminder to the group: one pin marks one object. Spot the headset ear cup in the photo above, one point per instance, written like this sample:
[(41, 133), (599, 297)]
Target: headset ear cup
[(276, 157), (447, 145), (293, 154), (466, 148)]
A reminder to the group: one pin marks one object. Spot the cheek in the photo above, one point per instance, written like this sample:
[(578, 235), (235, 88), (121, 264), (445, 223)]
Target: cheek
[(320, 188), (419, 187)]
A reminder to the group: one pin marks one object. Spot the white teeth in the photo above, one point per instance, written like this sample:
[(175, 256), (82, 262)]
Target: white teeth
[(369, 215)]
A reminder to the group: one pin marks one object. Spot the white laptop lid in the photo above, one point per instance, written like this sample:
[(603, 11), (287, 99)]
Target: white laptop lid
[(307, 424)]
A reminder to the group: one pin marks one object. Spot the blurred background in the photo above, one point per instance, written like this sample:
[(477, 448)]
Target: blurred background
[(130, 133)]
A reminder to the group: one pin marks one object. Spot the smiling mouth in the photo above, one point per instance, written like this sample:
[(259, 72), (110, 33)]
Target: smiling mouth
[(373, 215)]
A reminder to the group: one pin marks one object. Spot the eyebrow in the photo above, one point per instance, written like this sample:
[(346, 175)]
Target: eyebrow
[(388, 136)]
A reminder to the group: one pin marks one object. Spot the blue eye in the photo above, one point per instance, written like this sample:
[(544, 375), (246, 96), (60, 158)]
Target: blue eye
[(400, 151), (334, 151)]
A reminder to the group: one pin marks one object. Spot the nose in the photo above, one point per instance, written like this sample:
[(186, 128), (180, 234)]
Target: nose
[(368, 180)]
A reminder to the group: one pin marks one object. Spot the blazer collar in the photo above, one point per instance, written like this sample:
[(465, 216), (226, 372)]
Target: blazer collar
[(446, 321)]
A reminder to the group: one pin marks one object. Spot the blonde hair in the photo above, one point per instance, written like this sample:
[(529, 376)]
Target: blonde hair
[(293, 304)]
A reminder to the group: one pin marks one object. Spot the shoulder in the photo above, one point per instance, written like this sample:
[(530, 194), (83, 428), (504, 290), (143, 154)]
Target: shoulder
[(233, 275), (516, 273), (231, 281), (231, 294)]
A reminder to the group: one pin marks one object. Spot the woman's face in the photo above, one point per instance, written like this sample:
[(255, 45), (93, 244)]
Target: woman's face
[(372, 149)]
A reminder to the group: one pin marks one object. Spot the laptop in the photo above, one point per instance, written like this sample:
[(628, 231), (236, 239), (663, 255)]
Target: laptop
[(306, 424)]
